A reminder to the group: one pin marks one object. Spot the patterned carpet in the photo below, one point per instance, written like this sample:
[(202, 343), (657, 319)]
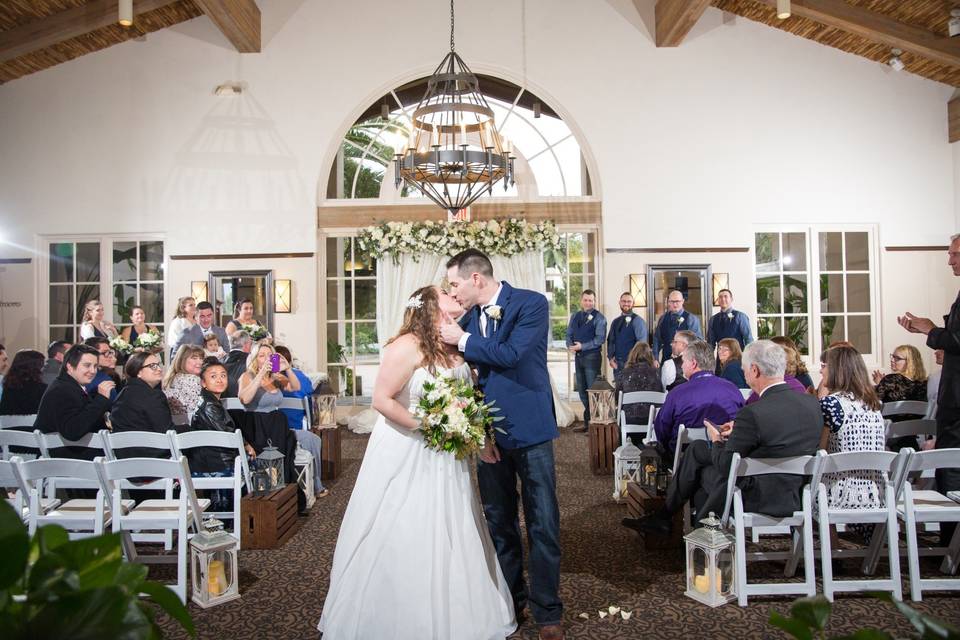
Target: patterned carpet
[(603, 564)]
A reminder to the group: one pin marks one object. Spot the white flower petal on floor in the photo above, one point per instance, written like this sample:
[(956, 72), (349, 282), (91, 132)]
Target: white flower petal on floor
[(626, 614), (585, 616), (613, 610), (602, 614)]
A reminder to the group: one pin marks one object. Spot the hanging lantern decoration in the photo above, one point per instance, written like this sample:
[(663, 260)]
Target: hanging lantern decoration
[(627, 467), (710, 564), (603, 406), (267, 470), (213, 565), (455, 153)]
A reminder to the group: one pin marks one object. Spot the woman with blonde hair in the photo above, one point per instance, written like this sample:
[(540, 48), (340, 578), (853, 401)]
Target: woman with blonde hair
[(182, 320), (795, 365), (181, 384), (907, 380), (93, 323), (639, 374), (413, 515)]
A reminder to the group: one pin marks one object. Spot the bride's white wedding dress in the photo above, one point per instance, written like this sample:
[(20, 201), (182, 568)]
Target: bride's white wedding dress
[(414, 558)]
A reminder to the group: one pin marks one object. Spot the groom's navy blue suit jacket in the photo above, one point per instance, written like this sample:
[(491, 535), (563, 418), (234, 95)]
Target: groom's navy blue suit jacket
[(512, 366)]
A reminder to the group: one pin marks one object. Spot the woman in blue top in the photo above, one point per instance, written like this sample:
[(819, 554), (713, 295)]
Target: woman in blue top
[(729, 354)]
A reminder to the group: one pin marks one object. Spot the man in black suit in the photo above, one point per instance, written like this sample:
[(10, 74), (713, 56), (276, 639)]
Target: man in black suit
[(236, 362), (782, 423), (195, 334)]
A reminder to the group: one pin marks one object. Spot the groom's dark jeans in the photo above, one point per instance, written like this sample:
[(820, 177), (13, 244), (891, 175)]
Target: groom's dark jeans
[(498, 489)]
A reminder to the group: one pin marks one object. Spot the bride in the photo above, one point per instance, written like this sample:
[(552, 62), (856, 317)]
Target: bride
[(414, 558)]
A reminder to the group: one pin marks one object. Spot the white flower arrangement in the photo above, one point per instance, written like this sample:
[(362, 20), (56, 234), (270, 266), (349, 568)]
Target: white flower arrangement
[(503, 238), (256, 331), (148, 341), (120, 345), (494, 311)]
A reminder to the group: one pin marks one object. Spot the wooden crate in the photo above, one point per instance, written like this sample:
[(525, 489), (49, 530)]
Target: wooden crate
[(330, 467), (603, 440), (268, 521), (640, 504)]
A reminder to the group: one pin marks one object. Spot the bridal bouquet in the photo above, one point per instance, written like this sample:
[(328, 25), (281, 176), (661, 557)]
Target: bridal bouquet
[(120, 345), (454, 417), (256, 331), (148, 341)]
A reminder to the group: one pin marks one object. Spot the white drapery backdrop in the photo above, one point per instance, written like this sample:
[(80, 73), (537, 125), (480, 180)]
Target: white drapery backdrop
[(396, 280)]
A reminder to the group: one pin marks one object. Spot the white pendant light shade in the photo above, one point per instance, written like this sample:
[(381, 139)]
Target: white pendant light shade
[(783, 9), (125, 13)]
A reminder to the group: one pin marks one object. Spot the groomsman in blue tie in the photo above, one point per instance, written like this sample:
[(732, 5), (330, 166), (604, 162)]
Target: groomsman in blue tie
[(729, 323), (625, 331), (585, 335), (673, 320)]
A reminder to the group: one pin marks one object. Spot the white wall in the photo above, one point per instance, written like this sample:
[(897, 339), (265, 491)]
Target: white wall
[(689, 146)]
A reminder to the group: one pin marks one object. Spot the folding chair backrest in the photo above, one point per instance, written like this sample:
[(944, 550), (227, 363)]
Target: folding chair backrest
[(936, 459), (232, 404), (48, 441), (297, 404), (744, 467), (68, 473), (682, 439), (114, 472), (647, 397), (13, 438), (7, 422), (891, 465), (182, 442), (11, 478), (904, 407), (117, 441), (921, 427)]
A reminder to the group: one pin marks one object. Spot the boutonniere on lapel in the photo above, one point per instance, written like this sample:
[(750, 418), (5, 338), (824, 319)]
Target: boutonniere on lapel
[(627, 319), (589, 317), (680, 320), (730, 315), (494, 312)]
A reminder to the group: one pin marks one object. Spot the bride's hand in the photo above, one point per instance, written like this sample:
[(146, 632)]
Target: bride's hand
[(450, 331), (490, 454)]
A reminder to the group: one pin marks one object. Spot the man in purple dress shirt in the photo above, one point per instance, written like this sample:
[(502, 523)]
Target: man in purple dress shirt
[(704, 397)]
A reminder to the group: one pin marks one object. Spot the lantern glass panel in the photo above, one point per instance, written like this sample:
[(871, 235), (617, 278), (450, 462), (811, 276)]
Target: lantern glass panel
[(724, 572), (698, 576), (219, 573), (649, 469)]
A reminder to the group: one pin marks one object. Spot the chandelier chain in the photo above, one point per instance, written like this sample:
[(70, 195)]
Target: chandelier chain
[(451, 25)]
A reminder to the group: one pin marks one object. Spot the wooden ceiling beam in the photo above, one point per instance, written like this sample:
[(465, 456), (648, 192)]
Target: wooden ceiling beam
[(64, 25), (878, 28), (675, 18), (239, 20)]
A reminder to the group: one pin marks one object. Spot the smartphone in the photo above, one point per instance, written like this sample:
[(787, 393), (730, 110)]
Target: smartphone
[(274, 362)]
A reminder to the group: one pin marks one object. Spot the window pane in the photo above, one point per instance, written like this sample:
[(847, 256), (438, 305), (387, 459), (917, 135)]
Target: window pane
[(768, 294), (151, 260), (576, 253), (61, 262), (335, 299), (797, 331), (151, 299), (857, 255), (335, 256), (364, 265), (365, 297), (795, 294), (86, 293), (767, 251), (577, 285), (794, 252), (769, 327), (335, 341), (61, 333), (858, 293), (124, 261), (124, 297), (367, 340), (348, 343), (831, 330), (831, 251), (336, 377), (858, 332), (88, 262), (557, 295), (831, 293), (559, 333), (61, 304)]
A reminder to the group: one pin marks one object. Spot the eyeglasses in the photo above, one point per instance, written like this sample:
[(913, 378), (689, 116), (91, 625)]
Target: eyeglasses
[(109, 353), (156, 366), (897, 358)]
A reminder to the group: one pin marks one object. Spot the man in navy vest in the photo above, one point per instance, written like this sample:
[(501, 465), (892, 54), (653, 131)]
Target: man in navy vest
[(625, 331), (729, 323), (585, 335), (674, 319)]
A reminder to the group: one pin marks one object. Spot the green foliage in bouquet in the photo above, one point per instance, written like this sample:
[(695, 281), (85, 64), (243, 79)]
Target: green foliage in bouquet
[(54, 587), (149, 341), (256, 331), (454, 417)]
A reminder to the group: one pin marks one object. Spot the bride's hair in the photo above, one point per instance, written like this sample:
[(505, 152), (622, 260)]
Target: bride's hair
[(421, 319)]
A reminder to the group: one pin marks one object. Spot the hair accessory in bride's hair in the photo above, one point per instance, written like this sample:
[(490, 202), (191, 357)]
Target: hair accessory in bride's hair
[(415, 302)]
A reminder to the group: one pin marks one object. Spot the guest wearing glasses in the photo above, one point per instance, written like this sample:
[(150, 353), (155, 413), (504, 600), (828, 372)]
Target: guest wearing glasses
[(907, 380), (106, 367), (142, 406), (94, 325), (674, 319), (55, 352)]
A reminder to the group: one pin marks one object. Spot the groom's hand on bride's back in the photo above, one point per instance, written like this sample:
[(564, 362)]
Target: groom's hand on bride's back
[(450, 331), (490, 453)]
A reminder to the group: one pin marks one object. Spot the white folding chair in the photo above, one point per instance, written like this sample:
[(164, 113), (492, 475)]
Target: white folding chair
[(904, 408), (11, 479), (183, 442), (799, 524), (684, 437), (232, 404), (12, 438), (7, 422), (919, 427), (890, 466), (653, 398), (178, 515), (299, 404), (49, 442), (916, 507), (81, 517)]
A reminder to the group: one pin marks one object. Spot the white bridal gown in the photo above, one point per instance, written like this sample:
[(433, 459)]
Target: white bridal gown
[(414, 558)]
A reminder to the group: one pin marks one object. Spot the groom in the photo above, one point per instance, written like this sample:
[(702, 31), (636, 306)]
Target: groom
[(505, 337)]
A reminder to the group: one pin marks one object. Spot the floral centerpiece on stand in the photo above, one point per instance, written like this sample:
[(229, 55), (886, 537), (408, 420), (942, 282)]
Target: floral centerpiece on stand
[(454, 418), (150, 341)]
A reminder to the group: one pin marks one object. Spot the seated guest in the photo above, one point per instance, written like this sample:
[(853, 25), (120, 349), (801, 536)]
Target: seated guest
[(788, 377), (703, 397), (51, 369), (141, 405), (66, 408), (729, 353), (106, 367), (212, 348), (308, 439), (639, 374), (197, 334), (671, 373), (243, 316), (4, 366), (236, 361), (94, 325), (781, 424), (852, 422), (182, 382), (795, 365), (907, 380), (23, 385), (139, 327), (214, 462)]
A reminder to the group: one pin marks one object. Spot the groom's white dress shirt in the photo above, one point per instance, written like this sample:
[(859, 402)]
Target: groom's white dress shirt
[(462, 344)]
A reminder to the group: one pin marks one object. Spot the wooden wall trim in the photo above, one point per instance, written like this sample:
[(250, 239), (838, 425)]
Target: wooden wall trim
[(239, 20), (243, 256), (675, 18), (919, 248), (680, 250), (363, 215)]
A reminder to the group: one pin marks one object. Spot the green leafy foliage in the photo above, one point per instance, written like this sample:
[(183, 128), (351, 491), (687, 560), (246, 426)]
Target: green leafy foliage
[(54, 587)]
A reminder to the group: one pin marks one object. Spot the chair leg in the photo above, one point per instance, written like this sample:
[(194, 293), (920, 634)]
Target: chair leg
[(826, 553), (952, 557), (913, 555), (809, 558), (893, 544), (874, 551), (182, 562), (796, 544), (741, 555)]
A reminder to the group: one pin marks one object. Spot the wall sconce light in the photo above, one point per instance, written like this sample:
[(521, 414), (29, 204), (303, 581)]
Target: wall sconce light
[(282, 296), (895, 62), (198, 290), (638, 289), (721, 281), (125, 13), (783, 9)]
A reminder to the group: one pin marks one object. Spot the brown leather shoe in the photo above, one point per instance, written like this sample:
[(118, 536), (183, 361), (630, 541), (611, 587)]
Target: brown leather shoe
[(551, 632)]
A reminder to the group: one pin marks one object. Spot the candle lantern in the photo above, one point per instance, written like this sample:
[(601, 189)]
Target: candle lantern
[(324, 407), (213, 565), (603, 406), (267, 473), (626, 468), (710, 564), (650, 466)]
